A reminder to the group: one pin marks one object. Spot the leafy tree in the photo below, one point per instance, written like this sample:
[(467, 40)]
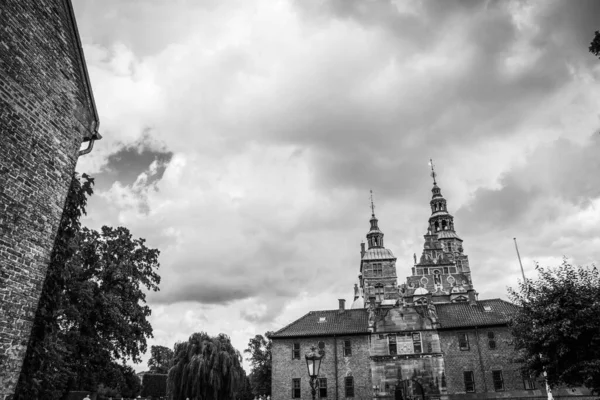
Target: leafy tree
[(259, 349), (246, 392), (92, 309), (161, 359), (595, 45), (557, 329), (205, 368)]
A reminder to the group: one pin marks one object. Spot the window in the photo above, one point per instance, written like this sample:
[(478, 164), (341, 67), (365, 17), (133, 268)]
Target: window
[(347, 348), (392, 344), (349, 385), (491, 341), (425, 271), (498, 381), (296, 351), (322, 387), (463, 341), (417, 345), (296, 388), (445, 270), (379, 291), (377, 269), (469, 381), (528, 383)]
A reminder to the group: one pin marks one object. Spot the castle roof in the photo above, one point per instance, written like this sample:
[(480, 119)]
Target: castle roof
[(378, 253), (352, 322), (327, 323), (483, 313)]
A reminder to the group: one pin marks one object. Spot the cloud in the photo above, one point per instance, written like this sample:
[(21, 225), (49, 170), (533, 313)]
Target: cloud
[(242, 139)]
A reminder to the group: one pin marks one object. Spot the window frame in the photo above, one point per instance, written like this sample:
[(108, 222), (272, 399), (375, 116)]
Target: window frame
[(295, 351), (470, 381), (492, 344), (322, 387), (349, 388), (377, 269), (466, 340), (298, 388), (392, 344), (419, 342), (498, 373), (527, 379), (347, 348)]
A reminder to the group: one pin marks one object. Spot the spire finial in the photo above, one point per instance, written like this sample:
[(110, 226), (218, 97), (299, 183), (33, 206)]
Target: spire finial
[(433, 174), (372, 204)]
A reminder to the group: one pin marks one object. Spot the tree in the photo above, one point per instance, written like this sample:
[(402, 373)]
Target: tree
[(161, 359), (92, 309), (557, 329), (595, 45), (259, 349), (205, 368)]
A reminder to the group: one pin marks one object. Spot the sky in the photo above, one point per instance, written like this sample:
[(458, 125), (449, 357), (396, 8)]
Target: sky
[(242, 138)]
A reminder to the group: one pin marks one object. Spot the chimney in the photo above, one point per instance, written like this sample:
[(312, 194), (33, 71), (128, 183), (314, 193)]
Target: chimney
[(342, 305), (472, 297), (362, 249)]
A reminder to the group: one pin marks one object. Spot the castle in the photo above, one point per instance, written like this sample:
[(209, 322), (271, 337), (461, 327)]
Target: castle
[(47, 112), (431, 337)]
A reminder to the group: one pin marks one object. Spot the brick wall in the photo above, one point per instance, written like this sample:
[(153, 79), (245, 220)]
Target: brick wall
[(482, 360), (356, 365), (45, 111)]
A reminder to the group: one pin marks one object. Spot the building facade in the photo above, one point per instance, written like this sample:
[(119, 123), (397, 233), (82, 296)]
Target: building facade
[(429, 338), (47, 111)]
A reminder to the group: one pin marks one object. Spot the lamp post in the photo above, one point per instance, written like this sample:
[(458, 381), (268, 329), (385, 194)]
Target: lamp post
[(313, 363)]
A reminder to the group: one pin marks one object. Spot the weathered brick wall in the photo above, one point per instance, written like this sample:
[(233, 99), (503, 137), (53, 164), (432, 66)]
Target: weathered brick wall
[(45, 111), (356, 365), (482, 361)]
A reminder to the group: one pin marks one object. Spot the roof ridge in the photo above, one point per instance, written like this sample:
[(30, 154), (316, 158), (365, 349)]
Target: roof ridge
[(294, 321)]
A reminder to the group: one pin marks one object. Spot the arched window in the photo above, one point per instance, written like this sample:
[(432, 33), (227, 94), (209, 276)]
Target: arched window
[(437, 226), (444, 225)]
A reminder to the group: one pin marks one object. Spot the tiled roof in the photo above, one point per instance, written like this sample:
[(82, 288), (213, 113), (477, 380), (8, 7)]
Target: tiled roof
[(378, 254), (447, 234), (329, 322), (457, 315)]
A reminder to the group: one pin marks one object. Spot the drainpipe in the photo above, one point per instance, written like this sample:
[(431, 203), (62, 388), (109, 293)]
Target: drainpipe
[(336, 366), (480, 359), (95, 136)]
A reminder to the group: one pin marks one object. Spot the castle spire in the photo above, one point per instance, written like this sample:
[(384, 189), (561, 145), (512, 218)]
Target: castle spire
[(375, 236), (433, 174)]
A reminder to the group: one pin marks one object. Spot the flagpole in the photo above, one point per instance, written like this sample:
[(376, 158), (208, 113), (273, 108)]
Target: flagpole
[(520, 263)]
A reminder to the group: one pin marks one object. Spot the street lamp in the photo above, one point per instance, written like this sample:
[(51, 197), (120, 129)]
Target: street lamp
[(313, 363)]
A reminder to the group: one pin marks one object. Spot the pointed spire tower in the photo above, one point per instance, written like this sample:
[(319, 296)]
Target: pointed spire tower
[(442, 274), (377, 277)]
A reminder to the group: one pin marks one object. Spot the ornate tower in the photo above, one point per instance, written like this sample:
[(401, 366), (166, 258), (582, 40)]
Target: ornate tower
[(442, 273), (377, 277)]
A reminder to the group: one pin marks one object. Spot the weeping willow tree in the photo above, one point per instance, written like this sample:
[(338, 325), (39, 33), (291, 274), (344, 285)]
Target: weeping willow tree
[(206, 368)]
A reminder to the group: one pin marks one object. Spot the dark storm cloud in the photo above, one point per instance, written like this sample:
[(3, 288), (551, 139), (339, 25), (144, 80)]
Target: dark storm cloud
[(359, 141), (561, 170), (129, 162)]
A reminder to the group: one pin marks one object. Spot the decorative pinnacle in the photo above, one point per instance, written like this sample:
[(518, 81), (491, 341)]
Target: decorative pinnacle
[(372, 205), (433, 174)]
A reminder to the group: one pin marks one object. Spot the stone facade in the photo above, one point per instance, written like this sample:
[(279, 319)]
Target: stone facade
[(430, 338), (46, 112), (335, 367)]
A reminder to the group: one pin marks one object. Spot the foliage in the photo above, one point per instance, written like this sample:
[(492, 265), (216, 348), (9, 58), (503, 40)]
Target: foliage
[(45, 369), (595, 45), (246, 392), (161, 359), (259, 349), (154, 385), (92, 309), (557, 329), (205, 368)]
